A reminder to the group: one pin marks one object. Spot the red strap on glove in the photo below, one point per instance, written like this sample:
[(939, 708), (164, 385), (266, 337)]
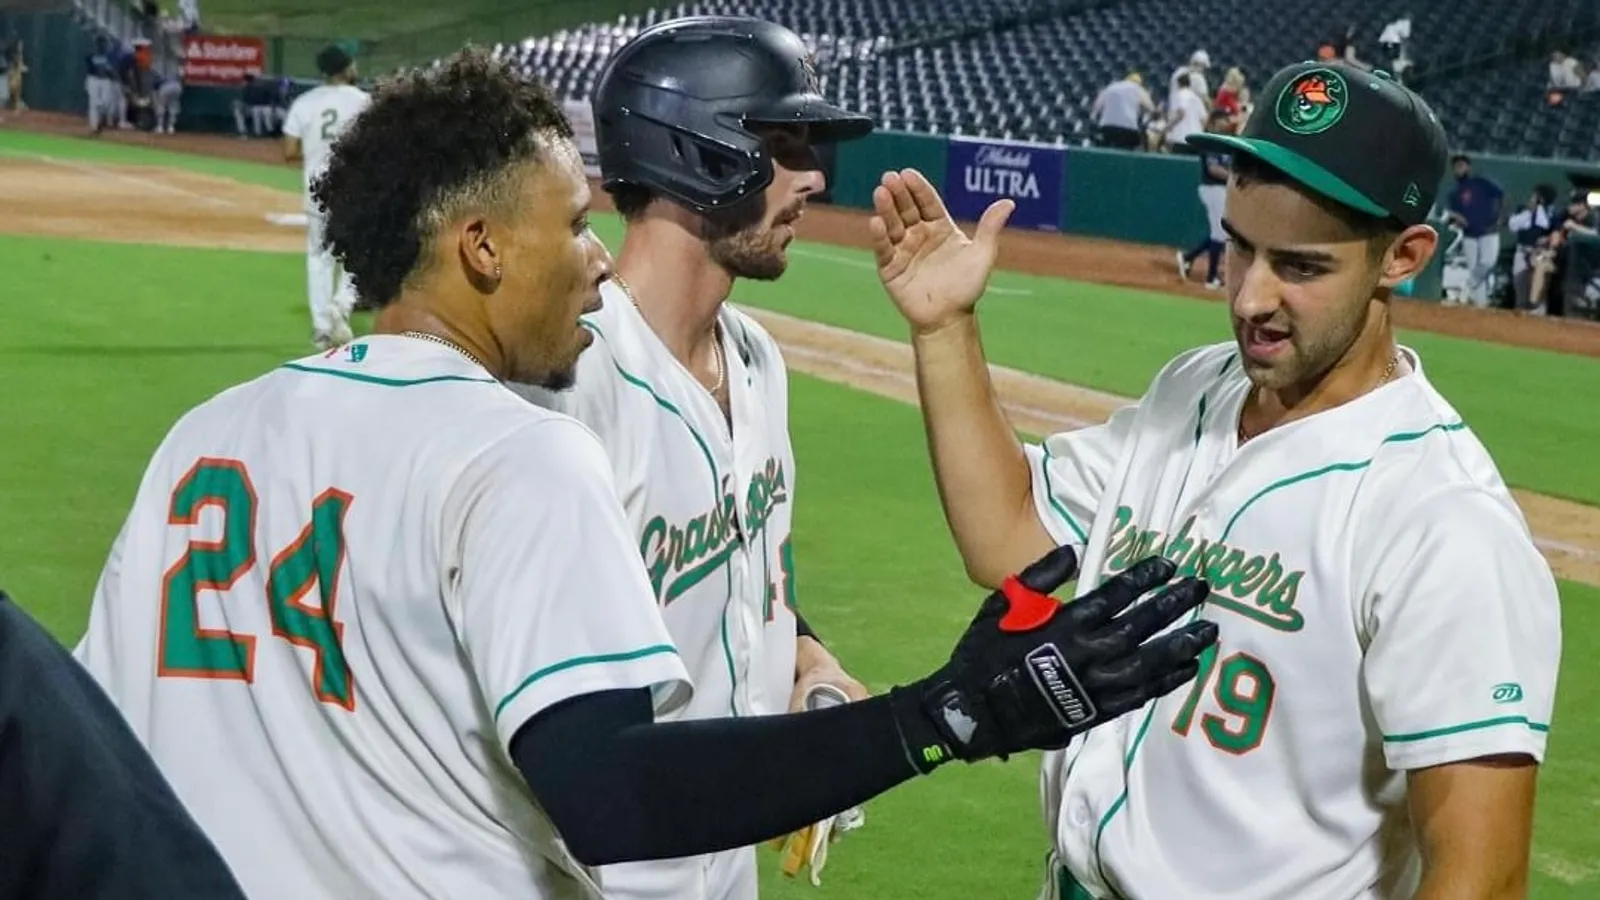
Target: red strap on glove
[(1028, 609)]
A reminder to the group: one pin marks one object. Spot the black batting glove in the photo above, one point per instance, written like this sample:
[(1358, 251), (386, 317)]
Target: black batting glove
[(1030, 672)]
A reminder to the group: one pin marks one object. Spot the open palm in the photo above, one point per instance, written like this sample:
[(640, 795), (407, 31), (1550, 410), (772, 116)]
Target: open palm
[(929, 267)]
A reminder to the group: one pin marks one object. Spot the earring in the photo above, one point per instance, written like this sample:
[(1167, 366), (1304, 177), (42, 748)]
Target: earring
[(496, 271)]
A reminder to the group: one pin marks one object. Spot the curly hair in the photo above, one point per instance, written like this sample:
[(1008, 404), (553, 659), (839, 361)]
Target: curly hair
[(433, 145)]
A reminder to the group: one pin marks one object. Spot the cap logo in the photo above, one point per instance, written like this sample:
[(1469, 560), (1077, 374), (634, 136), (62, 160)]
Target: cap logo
[(1313, 102), (1413, 194)]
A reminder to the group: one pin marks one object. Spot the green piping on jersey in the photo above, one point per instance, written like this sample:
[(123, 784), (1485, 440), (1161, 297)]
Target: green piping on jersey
[(1540, 727), (1150, 709), (1056, 504), (580, 661), (1337, 467), (716, 486), (386, 382)]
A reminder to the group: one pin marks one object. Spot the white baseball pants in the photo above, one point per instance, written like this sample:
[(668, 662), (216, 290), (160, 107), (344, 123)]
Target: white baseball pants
[(330, 290), (1481, 255)]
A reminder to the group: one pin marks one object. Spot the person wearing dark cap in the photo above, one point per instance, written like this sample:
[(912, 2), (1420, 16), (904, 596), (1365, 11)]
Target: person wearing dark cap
[(1372, 721), (315, 121), (86, 813), (1475, 207)]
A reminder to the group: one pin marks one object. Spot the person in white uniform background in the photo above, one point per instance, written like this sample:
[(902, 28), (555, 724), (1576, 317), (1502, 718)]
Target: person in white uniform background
[(383, 624), (689, 395), (1372, 720), (314, 122)]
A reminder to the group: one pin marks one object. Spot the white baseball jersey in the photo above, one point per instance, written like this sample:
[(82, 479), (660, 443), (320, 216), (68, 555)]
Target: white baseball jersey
[(341, 590), (317, 118), (1382, 608), (711, 515)]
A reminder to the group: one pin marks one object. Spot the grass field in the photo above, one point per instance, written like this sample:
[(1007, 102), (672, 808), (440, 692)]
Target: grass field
[(106, 344)]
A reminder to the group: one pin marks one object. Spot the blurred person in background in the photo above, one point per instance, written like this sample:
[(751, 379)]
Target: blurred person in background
[(1186, 115), (1233, 99), (1195, 70), (1214, 168), (1119, 110), (168, 103), (1475, 206), (16, 67), (1579, 218), (1530, 227)]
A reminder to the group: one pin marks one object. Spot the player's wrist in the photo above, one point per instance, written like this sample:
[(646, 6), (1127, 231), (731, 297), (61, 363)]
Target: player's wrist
[(952, 327), (926, 745)]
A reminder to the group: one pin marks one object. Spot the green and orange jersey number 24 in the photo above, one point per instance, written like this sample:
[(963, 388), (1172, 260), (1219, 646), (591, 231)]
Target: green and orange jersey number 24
[(311, 560)]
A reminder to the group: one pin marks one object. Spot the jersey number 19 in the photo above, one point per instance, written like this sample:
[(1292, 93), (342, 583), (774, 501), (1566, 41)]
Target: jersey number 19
[(312, 558)]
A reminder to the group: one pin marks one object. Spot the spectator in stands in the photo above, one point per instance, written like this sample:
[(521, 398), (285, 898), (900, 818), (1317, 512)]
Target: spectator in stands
[(1214, 168), (1565, 73), (1186, 115), (1530, 226), (1233, 99), (1592, 83), (1119, 111), (1394, 40), (1195, 70), (1342, 46)]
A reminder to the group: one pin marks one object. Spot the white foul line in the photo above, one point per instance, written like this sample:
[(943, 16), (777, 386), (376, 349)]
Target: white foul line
[(122, 176)]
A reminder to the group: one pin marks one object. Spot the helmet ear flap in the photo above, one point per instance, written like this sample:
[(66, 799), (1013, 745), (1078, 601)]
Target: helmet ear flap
[(702, 172)]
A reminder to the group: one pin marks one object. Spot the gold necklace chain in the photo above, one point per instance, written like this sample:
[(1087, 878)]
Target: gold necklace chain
[(716, 336), (426, 336), (1388, 372)]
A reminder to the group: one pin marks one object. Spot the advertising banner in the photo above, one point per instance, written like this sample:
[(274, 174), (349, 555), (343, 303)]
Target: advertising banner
[(983, 171), (222, 60)]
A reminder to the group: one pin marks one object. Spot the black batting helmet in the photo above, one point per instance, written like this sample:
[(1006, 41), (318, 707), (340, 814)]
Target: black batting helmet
[(674, 107)]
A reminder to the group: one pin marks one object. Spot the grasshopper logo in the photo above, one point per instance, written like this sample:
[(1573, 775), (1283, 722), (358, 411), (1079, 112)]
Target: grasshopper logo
[(1313, 102), (680, 555), (1510, 692)]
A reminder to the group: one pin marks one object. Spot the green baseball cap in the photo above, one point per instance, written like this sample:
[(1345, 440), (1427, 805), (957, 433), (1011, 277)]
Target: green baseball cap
[(1359, 138)]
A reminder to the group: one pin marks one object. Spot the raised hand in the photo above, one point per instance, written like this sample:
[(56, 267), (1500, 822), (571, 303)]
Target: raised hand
[(929, 267)]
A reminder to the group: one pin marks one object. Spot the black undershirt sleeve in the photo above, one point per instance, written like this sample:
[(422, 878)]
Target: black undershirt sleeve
[(621, 787)]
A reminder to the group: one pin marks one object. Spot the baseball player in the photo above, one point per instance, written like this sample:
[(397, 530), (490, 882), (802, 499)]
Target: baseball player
[(1475, 207), (100, 85), (168, 103), (314, 123), (1371, 720), (689, 395), (1213, 191), (382, 622)]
